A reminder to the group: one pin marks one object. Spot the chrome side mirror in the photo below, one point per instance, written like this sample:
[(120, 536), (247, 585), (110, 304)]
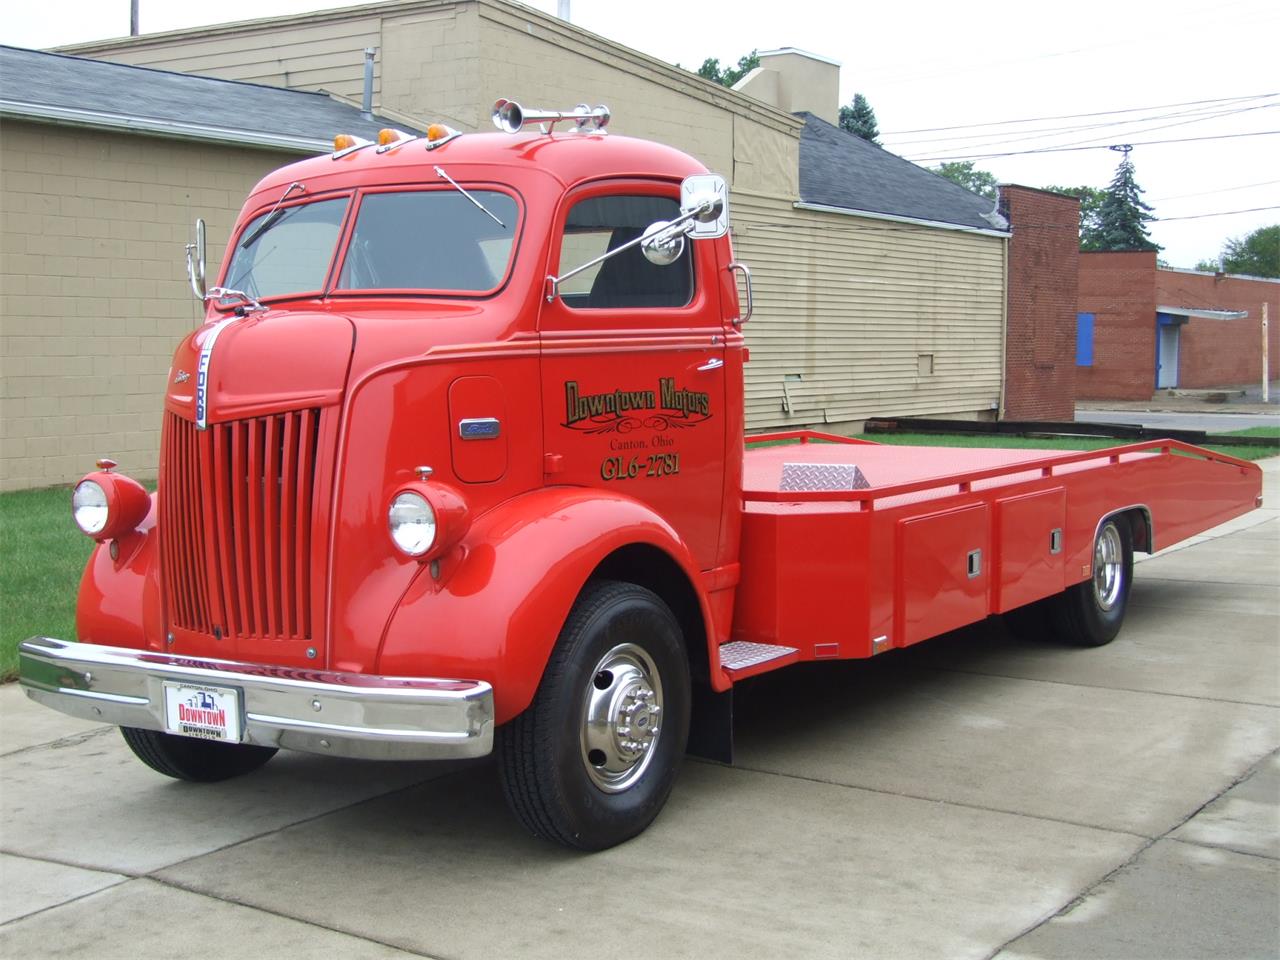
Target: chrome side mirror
[(704, 199), (196, 263), (662, 243)]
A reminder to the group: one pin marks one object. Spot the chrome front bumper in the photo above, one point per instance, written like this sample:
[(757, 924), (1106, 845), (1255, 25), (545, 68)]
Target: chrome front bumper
[(317, 711)]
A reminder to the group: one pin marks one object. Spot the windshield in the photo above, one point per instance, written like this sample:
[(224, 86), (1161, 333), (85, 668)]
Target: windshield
[(287, 250), (431, 240)]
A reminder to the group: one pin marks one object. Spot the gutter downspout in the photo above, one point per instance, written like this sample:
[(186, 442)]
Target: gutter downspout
[(1004, 307), (366, 107)]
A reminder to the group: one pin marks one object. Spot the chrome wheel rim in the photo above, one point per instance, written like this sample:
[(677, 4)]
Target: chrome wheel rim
[(620, 719), (1108, 567)]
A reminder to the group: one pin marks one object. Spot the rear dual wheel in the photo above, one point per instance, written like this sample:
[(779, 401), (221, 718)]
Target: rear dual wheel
[(592, 760)]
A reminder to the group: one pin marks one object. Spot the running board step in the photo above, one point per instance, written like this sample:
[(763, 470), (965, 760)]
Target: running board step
[(742, 658)]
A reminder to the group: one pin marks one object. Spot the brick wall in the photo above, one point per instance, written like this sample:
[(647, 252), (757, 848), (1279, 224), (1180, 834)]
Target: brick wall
[(1222, 353), (1125, 290), (1040, 323), (1119, 289), (93, 288)]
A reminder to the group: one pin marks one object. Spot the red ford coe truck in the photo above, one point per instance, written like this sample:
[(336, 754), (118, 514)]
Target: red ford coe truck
[(455, 465)]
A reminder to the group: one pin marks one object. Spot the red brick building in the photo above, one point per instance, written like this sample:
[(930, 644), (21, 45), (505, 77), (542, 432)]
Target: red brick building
[(1143, 328), (1040, 325)]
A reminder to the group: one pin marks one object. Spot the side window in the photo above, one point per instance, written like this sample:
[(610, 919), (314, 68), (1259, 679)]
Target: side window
[(600, 224)]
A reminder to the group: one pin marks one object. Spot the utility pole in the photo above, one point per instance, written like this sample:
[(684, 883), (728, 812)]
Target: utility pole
[(133, 18), (1266, 374)]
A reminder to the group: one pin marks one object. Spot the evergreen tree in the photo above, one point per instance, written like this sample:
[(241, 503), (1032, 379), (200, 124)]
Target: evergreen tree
[(1122, 216), (859, 119)]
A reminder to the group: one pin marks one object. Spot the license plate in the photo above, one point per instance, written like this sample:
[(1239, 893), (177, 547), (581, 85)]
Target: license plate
[(197, 710)]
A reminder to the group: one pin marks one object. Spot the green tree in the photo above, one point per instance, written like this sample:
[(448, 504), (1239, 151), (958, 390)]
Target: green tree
[(859, 119), (963, 172), (1123, 216), (1090, 205), (728, 76), (1257, 254)]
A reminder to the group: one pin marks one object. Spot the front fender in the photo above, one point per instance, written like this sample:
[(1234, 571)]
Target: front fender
[(495, 614), (119, 600)]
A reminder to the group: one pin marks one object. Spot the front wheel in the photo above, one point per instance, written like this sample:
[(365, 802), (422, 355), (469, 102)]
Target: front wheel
[(187, 758), (1089, 614), (592, 760)]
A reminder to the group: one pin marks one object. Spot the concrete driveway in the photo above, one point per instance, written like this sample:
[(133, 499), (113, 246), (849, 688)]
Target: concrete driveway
[(972, 797)]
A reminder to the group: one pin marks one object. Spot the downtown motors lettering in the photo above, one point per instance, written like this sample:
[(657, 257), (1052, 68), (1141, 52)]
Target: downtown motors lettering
[(626, 410)]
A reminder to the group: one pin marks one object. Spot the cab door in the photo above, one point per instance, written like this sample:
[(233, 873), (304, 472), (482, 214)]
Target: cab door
[(633, 355)]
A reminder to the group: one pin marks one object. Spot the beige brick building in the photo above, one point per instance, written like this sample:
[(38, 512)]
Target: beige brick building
[(877, 290)]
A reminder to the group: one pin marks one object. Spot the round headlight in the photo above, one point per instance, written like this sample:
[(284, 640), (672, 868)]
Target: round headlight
[(89, 507), (412, 523)]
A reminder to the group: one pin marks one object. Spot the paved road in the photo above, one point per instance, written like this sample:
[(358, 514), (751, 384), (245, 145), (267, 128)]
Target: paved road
[(1190, 420), (970, 797)]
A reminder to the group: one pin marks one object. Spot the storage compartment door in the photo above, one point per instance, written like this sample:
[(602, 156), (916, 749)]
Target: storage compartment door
[(942, 572), (1029, 533)]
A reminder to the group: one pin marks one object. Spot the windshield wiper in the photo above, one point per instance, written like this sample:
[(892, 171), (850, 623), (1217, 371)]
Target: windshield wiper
[(454, 183), (273, 216)]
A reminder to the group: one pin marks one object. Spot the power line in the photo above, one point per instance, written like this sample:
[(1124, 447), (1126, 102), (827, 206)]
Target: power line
[(1205, 193), (1212, 111), (1093, 146), (1216, 114), (1076, 116), (1221, 213)]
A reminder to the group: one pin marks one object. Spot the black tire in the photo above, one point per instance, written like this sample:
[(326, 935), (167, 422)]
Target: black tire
[(1091, 613), (200, 761), (578, 783)]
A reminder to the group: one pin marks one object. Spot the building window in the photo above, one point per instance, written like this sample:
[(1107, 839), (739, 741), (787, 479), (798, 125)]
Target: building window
[(1084, 339)]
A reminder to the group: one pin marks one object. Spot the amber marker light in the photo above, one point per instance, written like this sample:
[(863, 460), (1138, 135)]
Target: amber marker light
[(438, 131), (390, 135), (344, 141)]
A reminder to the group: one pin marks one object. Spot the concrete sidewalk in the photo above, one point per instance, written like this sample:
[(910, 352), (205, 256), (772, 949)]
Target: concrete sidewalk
[(969, 797)]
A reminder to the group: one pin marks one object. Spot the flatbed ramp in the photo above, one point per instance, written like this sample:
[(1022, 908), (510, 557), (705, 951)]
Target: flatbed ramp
[(852, 548)]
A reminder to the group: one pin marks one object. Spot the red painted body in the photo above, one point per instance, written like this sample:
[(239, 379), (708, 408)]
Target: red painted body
[(268, 539)]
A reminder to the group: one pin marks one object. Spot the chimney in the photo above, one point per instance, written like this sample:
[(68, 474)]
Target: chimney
[(796, 80)]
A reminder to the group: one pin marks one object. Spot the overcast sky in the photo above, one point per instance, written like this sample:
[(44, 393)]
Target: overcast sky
[(1184, 69)]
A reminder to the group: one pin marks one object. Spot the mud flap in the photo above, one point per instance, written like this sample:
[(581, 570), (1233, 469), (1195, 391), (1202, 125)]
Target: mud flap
[(711, 725)]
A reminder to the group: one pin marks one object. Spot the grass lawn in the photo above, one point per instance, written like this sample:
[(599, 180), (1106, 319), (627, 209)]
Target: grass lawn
[(1254, 432), (42, 554)]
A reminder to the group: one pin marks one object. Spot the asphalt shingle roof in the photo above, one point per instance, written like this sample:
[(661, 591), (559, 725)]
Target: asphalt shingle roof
[(839, 169), (128, 93)]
